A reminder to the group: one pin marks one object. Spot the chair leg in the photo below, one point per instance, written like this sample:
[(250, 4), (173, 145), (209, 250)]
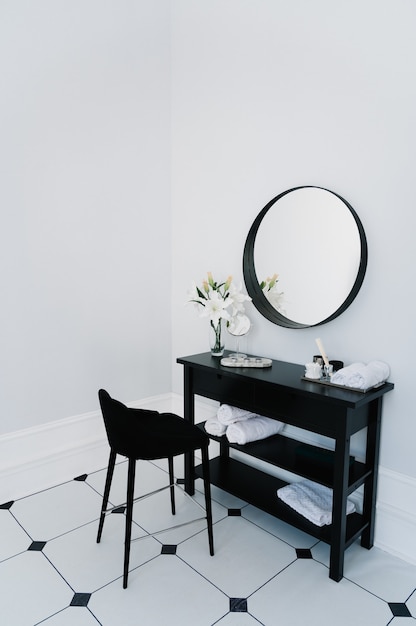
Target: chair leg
[(110, 471), (172, 488), (207, 490), (129, 517)]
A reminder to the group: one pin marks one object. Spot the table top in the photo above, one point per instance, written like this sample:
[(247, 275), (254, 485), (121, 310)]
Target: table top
[(287, 376)]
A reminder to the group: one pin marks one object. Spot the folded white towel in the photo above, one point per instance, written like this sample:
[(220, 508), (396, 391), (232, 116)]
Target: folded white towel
[(311, 500), (253, 429), (362, 376), (214, 427), (229, 414)]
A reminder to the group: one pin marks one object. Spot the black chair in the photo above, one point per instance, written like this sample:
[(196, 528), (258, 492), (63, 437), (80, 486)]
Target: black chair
[(148, 435)]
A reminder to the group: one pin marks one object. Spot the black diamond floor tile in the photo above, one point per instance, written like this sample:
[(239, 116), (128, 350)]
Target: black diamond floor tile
[(7, 505), (168, 549), (37, 546), (234, 512), (238, 605), (81, 478), (119, 509), (303, 553), (80, 599), (399, 609)]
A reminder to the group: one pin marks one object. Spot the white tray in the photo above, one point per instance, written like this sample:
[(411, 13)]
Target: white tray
[(324, 381), (251, 361)]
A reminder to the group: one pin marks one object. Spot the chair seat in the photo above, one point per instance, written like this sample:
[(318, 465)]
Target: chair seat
[(164, 435), (145, 434)]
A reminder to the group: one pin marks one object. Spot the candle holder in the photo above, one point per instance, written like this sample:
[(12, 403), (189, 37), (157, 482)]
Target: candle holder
[(328, 371)]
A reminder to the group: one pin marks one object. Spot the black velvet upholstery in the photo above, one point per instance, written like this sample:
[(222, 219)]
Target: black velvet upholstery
[(142, 434)]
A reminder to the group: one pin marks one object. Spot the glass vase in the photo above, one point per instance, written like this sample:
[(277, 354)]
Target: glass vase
[(216, 340)]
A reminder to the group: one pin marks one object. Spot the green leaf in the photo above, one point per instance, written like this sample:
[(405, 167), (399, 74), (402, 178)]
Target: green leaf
[(201, 294)]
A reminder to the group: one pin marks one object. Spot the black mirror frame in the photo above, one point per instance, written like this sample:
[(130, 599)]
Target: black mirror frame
[(252, 283)]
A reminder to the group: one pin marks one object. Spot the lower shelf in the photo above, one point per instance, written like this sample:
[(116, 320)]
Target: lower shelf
[(259, 489)]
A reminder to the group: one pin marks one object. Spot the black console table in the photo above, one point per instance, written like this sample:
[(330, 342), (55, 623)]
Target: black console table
[(280, 393)]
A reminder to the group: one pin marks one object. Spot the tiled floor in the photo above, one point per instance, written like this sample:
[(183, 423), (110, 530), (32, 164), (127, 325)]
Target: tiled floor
[(53, 572)]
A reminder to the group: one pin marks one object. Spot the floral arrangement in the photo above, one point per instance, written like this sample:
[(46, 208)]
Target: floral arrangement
[(269, 288), (218, 301)]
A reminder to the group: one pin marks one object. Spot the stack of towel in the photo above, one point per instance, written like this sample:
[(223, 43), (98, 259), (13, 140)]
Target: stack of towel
[(311, 500), (361, 376), (241, 426)]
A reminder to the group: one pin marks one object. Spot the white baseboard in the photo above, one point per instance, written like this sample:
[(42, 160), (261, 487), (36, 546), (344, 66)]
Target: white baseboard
[(396, 514), (37, 458), (43, 456)]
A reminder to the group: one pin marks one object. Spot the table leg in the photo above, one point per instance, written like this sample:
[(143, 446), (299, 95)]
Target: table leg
[(189, 415), (370, 486), (339, 506)]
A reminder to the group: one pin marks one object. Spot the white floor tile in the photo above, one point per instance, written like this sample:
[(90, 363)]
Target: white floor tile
[(148, 478), (56, 511), (226, 499), (411, 602), (283, 531), (87, 565), (17, 539), (238, 619), (245, 556), (303, 594), (378, 572), (163, 591), (72, 616), (31, 590), (154, 514)]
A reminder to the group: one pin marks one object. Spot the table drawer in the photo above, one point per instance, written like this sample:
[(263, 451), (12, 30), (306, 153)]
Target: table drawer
[(223, 388)]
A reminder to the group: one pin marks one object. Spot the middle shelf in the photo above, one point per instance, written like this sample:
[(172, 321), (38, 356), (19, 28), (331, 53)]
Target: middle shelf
[(300, 458)]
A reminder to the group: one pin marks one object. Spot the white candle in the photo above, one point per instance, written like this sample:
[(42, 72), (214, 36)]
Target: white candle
[(322, 351)]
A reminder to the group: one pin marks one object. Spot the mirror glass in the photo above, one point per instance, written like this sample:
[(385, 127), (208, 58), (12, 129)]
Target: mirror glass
[(238, 327), (314, 242)]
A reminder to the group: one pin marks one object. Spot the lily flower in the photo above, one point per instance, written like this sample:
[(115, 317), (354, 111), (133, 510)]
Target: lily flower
[(237, 299), (215, 309), (217, 301)]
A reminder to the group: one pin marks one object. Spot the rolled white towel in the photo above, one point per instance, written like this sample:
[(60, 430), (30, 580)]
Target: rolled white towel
[(342, 376), (253, 429), (229, 414), (362, 376), (311, 500), (214, 427)]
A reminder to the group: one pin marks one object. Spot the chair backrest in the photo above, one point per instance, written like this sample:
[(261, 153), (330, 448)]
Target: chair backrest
[(122, 424)]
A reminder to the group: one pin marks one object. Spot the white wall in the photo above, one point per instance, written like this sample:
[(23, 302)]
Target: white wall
[(267, 95), (85, 234)]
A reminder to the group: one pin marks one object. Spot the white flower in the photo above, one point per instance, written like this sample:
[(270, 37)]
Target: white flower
[(194, 297), (237, 298), (215, 308), (269, 288), (276, 299), (217, 301)]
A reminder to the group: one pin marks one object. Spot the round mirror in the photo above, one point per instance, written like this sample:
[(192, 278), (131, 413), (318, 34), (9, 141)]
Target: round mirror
[(305, 257)]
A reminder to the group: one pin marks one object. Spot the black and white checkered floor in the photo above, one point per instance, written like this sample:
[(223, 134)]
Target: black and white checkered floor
[(53, 572)]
